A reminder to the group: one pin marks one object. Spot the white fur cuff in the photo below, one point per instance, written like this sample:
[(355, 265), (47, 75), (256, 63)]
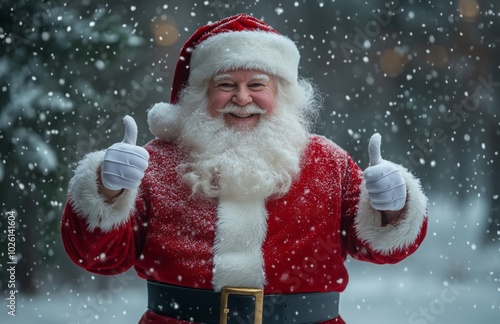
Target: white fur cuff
[(386, 239), (90, 205)]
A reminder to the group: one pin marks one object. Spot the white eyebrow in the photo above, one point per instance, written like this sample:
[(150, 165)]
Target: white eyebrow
[(262, 77), (220, 77), (225, 76)]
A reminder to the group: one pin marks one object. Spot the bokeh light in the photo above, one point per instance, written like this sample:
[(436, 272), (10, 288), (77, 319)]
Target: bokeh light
[(165, 32), (392, 62), (468, 9)]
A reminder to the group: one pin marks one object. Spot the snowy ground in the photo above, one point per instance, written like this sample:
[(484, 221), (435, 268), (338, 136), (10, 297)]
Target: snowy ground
[(451, 279)]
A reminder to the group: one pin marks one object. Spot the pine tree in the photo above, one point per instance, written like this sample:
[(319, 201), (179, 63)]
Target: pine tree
[(58, 69)]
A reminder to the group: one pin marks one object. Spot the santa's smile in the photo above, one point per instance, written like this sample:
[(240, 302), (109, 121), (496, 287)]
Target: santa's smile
[(241, 120), (242, 116)]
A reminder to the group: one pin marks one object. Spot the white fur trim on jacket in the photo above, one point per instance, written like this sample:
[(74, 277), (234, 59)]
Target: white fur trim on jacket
[(392, 237), (241, 230), (90, 205), (264, 51), (163, 121)]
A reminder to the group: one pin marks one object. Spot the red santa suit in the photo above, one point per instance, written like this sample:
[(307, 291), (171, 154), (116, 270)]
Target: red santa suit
[(169, 237), (295, 243)]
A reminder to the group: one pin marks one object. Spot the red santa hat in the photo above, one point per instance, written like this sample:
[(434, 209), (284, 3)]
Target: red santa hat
[(237, 42)]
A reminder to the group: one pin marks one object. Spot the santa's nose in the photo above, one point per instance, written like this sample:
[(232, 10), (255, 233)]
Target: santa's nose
[(242, 97)]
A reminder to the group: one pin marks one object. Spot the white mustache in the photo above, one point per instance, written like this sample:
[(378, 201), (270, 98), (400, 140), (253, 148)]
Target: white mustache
[(250, 109)]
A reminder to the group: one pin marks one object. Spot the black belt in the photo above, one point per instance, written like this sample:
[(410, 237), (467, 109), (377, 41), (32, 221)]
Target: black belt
[(240, 305)]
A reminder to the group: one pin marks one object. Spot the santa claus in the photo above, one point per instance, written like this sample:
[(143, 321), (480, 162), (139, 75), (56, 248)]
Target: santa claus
[(235, 212)]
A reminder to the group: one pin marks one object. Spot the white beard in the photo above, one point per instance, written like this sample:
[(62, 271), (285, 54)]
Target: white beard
[(236, 164)]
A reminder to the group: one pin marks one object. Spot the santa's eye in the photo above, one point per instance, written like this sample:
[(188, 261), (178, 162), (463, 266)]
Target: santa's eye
[(226, 85), (257, 85)]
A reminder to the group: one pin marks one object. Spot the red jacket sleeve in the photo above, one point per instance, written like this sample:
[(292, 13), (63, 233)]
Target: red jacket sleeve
[(100, 237), (96, 251)]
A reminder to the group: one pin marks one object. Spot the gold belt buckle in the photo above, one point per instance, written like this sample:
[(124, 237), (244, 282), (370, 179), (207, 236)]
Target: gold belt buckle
[(259, 302)]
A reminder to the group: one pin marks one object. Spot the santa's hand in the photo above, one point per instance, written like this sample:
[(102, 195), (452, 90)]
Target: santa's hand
[(384, 182), (124, 163)]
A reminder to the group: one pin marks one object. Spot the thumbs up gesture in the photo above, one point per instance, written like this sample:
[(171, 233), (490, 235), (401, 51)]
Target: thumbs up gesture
[(124, 163), (384, 181)]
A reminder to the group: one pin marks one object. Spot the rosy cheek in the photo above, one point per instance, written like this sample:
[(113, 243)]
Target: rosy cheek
[(216, 101), (212, 109), (267, 102)]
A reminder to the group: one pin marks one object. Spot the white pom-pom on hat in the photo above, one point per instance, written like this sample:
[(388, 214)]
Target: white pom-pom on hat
[(163, 120)]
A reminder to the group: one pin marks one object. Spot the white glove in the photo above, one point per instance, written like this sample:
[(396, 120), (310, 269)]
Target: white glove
[(124, 163), (384, 181)]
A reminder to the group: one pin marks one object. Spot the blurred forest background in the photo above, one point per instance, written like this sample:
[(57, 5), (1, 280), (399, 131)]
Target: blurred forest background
[(425, 74)]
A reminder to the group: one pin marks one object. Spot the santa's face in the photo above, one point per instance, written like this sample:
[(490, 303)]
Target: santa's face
[(240, 157), (242, 97)]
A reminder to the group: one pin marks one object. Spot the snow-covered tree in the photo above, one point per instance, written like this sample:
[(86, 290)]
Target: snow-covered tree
[(56, 61)]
